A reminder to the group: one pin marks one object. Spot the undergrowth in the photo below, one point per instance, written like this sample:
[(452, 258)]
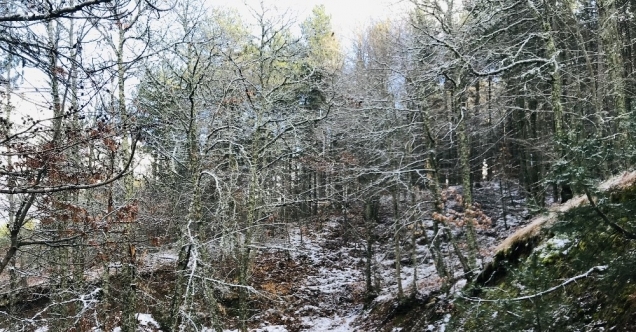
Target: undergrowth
[(578, 242)]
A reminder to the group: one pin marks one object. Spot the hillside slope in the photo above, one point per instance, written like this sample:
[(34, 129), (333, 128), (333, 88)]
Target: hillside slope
[(569, 270)]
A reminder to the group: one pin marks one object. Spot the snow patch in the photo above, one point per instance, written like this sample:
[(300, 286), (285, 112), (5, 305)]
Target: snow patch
[(272, 328), (146, 320), (442, 327), (333, 324), (458, 286), (556, 246)]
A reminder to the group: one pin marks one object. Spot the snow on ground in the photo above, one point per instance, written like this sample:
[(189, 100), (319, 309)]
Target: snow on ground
[(328, 296), (146, 324), (334, 324), (317, 281), (147, 320), (273, 328), (336, 278)]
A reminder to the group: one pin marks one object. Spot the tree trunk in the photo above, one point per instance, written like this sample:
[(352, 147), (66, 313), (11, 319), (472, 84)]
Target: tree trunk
[(397, 245)]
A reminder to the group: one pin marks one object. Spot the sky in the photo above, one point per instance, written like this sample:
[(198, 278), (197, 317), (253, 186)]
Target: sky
[(346, 15)]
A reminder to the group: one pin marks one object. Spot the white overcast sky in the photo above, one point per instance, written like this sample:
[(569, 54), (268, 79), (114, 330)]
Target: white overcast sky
[(346, 15)]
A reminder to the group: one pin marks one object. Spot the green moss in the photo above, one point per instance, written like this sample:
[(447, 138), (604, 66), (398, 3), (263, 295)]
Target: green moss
[(623, 196), (580, 241)]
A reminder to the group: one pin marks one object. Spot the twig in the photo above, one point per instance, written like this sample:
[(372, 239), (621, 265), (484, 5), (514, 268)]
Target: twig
[(599, 268), (606, 219)]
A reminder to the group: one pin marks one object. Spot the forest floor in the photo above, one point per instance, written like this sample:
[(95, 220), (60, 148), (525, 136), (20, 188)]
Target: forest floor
[(312, 279), (316, 283)]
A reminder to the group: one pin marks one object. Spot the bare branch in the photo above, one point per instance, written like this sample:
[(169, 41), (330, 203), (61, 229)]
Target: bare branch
[(600, 269), (53, 13)]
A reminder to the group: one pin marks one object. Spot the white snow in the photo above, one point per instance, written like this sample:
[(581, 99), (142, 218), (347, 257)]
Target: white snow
[(458, 286), (558, 245), (146, 320), (336, 281), (272, 328), (333, 324), (335, 278), (442, 327)]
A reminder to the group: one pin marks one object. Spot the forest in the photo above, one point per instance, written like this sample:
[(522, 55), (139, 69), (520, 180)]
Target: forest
[(173, 165)]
